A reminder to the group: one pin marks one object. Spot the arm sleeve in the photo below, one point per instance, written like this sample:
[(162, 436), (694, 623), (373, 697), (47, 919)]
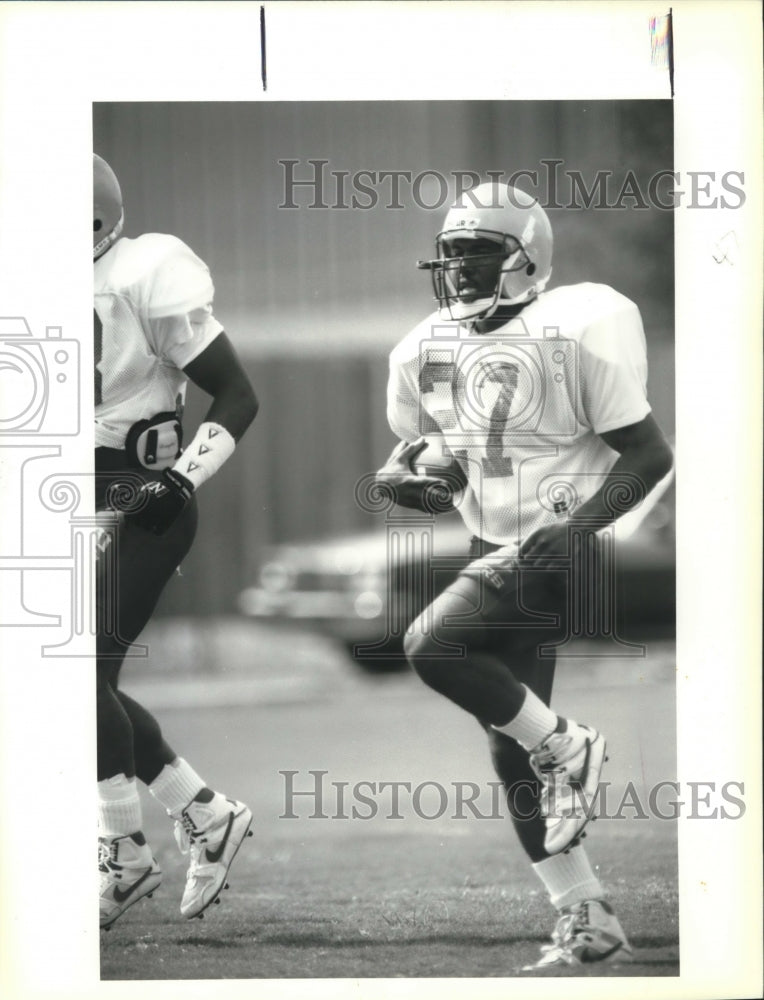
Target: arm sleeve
[(614, 370)]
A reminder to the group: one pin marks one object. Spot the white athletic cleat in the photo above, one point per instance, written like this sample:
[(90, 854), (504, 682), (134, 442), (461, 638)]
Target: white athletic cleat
[(212, 833), (586, 932), (128, 872), (569, 765)]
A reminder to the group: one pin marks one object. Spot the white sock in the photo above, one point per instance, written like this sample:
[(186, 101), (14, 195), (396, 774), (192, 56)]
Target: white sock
[(205, 814), (568, 878), (532, 724), (119, 808), (176, 785)]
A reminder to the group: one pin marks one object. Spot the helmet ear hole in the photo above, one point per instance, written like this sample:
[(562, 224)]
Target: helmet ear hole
[(530, 269), (97, 225)]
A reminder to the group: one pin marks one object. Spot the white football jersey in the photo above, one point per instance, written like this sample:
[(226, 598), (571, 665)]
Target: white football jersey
[(153, 315), (522, 407)]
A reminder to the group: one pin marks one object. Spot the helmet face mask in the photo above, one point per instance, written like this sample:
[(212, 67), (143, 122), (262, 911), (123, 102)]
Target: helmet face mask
[(494, 251), (108, 213), (468, 279)]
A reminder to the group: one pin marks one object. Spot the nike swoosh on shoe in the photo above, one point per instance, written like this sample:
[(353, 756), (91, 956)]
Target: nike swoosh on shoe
[(120, 895), (217, 854)]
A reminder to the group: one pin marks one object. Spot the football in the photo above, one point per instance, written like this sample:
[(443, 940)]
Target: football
[(437, 461)]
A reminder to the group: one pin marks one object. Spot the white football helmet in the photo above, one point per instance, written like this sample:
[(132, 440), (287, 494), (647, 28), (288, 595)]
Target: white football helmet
[(108, 213), (518, 226)]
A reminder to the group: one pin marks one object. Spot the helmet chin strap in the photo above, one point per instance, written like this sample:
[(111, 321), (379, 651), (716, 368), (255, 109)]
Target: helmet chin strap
[(498, 302), (100, 248), (452, 311)]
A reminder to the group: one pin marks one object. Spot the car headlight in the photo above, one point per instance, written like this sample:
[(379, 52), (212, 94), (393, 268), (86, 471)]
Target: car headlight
[(276, 577), (348, 563), (368, 604)]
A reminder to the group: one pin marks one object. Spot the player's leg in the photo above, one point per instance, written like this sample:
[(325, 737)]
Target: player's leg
[(470, 643), (132, 569), (453, 647), (512, 761), (127, 868), (139, 568), (127, 595), (587, 930), (209, 826), (498, 674)]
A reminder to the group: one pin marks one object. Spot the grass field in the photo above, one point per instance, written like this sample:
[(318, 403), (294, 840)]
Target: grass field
[(408, 897)]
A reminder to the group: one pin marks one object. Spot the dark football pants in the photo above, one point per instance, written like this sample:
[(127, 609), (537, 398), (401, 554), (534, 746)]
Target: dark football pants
[(131, 573), (497, 625)]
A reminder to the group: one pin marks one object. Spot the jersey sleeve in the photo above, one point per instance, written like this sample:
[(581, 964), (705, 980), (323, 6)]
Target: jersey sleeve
[(613, 367), (180, 282), (406, 415), (402, 403), (180, 339), (178, 305)]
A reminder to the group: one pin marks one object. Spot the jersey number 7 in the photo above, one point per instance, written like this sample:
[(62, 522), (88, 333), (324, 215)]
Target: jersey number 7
[(496, 464)]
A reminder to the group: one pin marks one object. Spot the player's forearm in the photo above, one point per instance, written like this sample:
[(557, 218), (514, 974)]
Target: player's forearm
[(636, 472), (235, 407), (219, 372)]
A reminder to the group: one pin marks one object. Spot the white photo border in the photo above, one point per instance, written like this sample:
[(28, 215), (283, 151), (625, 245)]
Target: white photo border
[(56, 59)]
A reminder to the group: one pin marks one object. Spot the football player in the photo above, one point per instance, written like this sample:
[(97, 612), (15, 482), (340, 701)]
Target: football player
[(541, 398), (154, 330)]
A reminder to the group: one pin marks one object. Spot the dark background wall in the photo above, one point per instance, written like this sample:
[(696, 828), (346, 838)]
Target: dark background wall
[(315, 298)]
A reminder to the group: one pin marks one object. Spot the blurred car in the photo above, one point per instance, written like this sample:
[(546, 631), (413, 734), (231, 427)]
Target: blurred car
[(364, 589)]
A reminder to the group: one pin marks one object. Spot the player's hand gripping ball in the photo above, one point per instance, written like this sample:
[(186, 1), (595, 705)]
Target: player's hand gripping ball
[(422, 475), (437, 462), (160, 502)]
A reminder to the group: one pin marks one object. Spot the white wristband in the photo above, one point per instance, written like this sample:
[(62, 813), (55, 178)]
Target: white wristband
[(211, 446)]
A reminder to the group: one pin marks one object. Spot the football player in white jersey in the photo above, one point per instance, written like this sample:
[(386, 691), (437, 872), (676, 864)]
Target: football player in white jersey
[(154, 330), (540, 396)]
